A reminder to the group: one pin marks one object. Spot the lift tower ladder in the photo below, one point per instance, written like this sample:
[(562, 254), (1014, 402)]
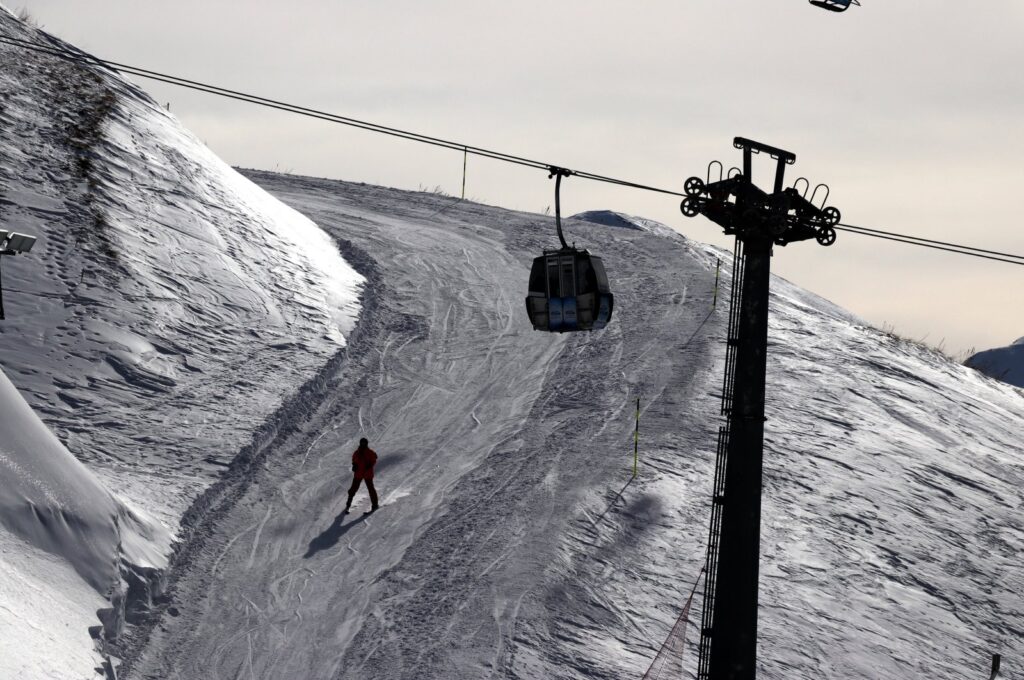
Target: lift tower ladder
[(721, 452), (759, 221)]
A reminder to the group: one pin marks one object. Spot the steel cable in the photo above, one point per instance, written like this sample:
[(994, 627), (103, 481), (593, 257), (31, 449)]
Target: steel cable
[(63, 52), (996, 256)]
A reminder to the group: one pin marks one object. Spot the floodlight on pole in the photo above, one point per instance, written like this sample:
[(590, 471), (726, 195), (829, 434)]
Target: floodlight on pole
[(12, 244), (16, 243)]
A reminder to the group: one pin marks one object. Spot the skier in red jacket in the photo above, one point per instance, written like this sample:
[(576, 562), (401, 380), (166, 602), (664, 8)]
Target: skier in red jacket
[(363, 460)]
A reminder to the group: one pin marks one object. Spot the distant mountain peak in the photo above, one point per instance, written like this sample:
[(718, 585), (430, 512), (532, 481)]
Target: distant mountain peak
[(1001, 363)]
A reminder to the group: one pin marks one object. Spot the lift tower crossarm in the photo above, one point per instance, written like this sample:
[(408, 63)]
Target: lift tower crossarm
[(757, 147), (750, 147)]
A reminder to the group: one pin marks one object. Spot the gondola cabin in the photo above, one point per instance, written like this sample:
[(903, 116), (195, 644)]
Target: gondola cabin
[(568, 291), (835, 5)]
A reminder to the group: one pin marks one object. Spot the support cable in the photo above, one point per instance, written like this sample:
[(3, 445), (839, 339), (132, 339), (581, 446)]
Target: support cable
[(937, 245), (64, 52), (322, 115)]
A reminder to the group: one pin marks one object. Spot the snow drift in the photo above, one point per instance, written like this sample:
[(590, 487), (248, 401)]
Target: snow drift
[(50, 502), (50, 499)]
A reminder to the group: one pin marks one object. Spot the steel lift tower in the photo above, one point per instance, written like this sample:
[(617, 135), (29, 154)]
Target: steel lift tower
[(759, 220)]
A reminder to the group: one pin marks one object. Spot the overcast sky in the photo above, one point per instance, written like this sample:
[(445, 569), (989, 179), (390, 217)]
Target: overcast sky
[(912, 111)]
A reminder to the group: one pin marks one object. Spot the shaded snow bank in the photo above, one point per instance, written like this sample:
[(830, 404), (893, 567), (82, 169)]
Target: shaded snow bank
[(46, 614), (51, 506), (50, 499)]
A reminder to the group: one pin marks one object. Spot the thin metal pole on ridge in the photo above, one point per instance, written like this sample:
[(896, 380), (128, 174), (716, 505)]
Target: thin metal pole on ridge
[(465, 156), (718, 272)]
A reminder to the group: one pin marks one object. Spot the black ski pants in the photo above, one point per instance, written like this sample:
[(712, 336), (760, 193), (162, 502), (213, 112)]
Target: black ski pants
[(355, 487)]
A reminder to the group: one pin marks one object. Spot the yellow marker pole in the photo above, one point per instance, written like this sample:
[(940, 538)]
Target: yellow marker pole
[(636, 439), (718, 268)]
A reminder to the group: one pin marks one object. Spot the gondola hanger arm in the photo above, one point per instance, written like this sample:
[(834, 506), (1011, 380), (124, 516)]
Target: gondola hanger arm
[(558, 173)]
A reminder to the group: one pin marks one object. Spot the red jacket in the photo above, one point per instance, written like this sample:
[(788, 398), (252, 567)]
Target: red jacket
[(363, 461)]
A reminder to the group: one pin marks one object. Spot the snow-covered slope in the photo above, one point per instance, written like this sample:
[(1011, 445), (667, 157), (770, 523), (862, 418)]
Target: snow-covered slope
[(512, 542), (167, 312), (1001, 363), (894, 507), (170, 306)]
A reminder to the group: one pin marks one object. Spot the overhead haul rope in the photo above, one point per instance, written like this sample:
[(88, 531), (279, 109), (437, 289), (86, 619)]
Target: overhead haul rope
[(323, 115), (466, 149), (937, 245)]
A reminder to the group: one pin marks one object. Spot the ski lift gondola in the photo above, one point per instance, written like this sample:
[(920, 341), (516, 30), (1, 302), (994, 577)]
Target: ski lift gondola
[(568, 288), (835, 5)]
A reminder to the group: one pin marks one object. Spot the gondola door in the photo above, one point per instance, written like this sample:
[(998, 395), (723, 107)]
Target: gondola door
[(554, 294), (567, 271)]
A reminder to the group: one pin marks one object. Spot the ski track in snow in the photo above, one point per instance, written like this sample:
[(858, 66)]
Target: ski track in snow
[(501, 443), (512, 542)]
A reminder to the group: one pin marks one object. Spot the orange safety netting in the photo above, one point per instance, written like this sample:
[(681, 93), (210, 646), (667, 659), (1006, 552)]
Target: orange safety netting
[(668, 663)]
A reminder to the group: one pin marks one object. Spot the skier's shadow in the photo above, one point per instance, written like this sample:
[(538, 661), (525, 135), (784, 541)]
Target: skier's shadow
[(330, 537)]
